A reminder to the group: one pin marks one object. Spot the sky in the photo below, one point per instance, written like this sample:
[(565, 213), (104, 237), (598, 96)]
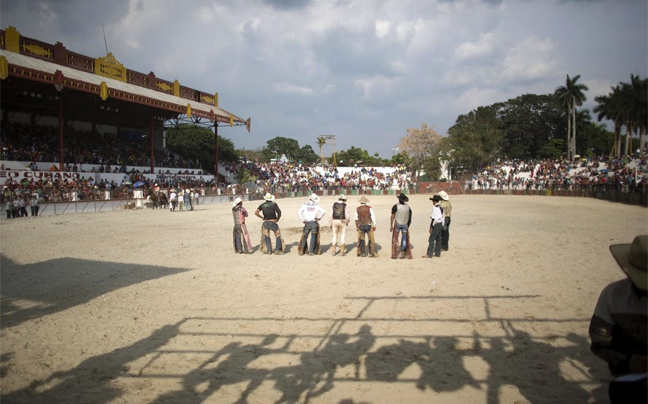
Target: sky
[(362, 70)]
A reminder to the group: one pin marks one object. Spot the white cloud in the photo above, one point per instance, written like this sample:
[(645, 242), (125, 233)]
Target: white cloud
[(287, 88), (472, 50), (382, 28), (532, 58)]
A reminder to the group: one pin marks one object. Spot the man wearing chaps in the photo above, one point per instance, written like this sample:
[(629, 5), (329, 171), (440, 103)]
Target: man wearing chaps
[(340, 218), (242, 242), (271, 216), (401, 218), (310, 214), (365, 221)]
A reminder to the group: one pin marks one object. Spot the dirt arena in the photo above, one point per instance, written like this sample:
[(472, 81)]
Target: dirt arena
[(150, 306)]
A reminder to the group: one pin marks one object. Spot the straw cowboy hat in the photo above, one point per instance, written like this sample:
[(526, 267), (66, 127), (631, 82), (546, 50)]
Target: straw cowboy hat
[(363, 199), (268, 197), (443, 195), (342, 197), (237, 201), (633, 259), (403, 197), (314, 198)]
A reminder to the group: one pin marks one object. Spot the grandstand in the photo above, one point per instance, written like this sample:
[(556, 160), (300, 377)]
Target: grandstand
[(50, 86)]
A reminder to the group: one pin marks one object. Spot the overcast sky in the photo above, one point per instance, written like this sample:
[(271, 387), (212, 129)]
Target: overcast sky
[(364, 71)]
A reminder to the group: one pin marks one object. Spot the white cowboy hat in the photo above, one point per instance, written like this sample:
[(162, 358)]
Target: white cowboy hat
[(363, 199), (237, 201), (444, 195), (314, 198), (268, 197), (343, 197), (633, 260)]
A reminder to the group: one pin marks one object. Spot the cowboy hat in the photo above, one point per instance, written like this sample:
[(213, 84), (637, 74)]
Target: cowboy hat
[(343, 197), (314, 197), (237, 201), (403, 197), (633, 259), (443, 195), (268, 197), (435, 198), (363, 199)]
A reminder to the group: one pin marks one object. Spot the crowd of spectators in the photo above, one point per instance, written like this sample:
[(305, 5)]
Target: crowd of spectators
[(289, 177), (112, 154), (625, 174), (39, 143)]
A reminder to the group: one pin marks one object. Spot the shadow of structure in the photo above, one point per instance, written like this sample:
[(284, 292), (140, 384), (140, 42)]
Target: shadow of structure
[(207, 359), (31, 291)]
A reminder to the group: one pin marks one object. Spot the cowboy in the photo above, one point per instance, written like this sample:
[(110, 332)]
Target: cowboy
[(242, 242), (365, 221), (401, 215), (447, 212), (310, 214), (271, 216), (618, 327), (436, 227), (340, 218)]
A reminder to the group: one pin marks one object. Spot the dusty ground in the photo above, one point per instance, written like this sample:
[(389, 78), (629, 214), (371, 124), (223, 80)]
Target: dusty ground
[(153, 306)]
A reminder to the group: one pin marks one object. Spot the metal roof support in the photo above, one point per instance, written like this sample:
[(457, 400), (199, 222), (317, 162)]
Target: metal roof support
[(216, 151), (151, 145), (60, 124)]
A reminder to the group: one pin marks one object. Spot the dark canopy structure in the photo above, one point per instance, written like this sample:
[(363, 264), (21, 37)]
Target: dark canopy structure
[(48, 80)]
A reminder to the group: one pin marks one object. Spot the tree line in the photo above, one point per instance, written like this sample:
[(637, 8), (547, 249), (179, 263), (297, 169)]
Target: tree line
[(530, 126)]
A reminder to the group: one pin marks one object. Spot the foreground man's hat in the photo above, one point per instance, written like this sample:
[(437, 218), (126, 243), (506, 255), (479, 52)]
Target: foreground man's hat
[(268, 197), (633, 260), (237, 201)]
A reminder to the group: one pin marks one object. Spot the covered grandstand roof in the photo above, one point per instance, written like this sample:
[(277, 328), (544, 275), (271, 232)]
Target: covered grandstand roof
[(100, 87)]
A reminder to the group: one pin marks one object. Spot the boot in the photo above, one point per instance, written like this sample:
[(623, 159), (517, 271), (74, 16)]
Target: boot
[(342, 250), (334, 249)]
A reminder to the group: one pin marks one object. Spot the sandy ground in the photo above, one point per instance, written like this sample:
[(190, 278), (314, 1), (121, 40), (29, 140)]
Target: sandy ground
[(151, 306)]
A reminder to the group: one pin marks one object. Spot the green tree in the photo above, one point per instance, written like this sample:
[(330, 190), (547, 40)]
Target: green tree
[(610, 107), (353, 155), (321, 141), (475, 139), (307, 155), (633, 101), (571, 95), (278, 146), (197, 144), (402, 158)]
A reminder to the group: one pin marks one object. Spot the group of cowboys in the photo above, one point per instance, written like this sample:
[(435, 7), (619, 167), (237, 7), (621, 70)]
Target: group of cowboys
[(311, 213)]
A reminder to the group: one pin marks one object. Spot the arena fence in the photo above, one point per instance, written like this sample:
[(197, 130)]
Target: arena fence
[(632, 198), (122, 203)]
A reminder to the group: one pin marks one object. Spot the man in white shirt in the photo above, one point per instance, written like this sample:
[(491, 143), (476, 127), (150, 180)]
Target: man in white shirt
[(310, 214), (436, 228), (173, 199)]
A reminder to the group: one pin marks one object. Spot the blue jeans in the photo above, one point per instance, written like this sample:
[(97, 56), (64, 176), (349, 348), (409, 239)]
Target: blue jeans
[(310, 228), (403, 229), (434, 246), (275, 228)]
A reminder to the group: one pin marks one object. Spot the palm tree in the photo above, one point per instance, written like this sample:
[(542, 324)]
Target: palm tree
[(321, 141), (634, 100), (571, 95), (609, 107)]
